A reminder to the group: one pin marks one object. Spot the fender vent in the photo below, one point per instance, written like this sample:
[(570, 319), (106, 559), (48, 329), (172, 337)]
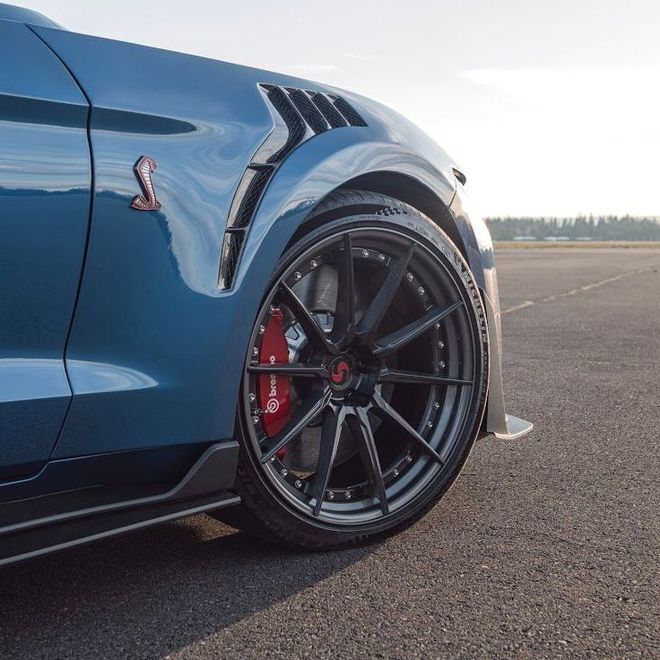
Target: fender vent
[(348, 111), (311, 114), (331, 114), (247, 195), (231, 251), (298, 115)]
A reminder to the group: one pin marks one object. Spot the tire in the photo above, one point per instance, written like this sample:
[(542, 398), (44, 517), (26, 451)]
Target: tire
[(418, 435)]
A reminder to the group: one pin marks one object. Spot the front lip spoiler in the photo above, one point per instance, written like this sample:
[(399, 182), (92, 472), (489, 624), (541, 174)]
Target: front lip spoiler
[(515, 428)]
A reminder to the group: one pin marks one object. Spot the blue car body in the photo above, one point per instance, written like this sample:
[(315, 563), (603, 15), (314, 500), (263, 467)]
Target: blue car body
[(121, 350)]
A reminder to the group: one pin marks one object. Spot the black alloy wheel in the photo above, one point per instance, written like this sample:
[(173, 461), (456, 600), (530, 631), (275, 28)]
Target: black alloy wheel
[(385, 373)]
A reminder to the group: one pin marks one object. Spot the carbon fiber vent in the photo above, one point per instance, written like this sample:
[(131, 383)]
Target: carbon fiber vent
[(348, 111), (297, 116), (231, 251), (332, 115), (311, 114)]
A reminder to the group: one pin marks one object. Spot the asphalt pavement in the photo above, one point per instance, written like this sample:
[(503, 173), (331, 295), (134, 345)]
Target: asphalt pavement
[(546, 546)]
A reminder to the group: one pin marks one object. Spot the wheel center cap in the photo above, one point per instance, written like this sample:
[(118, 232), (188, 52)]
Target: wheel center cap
[(341, 371)]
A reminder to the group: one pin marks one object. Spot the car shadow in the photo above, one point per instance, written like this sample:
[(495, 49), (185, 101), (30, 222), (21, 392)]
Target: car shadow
[(151, 592)]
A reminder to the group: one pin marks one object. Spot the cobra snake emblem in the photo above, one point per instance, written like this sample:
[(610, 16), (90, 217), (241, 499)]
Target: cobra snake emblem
[(143, 170)]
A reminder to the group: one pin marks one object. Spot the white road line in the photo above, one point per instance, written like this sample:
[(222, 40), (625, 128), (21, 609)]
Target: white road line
[(572, 292)]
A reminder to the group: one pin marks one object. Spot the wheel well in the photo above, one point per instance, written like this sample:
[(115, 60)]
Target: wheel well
[(410, 191)]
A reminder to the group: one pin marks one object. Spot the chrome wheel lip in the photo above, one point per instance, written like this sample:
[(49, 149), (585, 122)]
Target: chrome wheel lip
[(423, 472)]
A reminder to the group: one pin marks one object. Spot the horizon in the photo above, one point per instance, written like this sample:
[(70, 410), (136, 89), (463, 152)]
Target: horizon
[(550, 108)]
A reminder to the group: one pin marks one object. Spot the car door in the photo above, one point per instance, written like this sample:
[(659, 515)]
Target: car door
[(44, 212)]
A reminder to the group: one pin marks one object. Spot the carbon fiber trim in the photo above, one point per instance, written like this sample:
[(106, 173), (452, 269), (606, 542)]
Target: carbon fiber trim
[(349, 112), (331, 114), (247, 196), (231, 251), (293, 122), (298, 115), (311, 114)]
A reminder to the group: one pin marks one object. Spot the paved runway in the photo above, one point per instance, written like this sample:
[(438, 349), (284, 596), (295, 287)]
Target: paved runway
[(546, 546)]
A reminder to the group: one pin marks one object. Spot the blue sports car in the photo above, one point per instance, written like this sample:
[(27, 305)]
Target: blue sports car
[(230, 291)]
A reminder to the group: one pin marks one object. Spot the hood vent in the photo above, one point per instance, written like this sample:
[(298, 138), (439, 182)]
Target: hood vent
[(298, 115)]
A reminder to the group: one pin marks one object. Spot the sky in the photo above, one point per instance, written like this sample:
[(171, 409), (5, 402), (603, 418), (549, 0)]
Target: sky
[(551, 107)]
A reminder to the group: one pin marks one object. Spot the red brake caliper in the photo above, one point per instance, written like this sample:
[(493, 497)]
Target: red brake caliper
[(274, 390)]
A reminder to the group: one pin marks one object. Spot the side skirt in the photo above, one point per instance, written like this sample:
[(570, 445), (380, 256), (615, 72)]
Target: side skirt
[(205, 487)]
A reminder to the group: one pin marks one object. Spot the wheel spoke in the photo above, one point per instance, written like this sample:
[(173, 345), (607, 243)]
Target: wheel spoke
[(333, 422), (312, 329), (384, 408), (397, 340), (344, 323), (417, 378), (301, 419), (291, 370), (361, 428), (383, 299)]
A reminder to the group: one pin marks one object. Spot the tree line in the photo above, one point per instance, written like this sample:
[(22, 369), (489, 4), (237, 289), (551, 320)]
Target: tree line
[(596, 228)]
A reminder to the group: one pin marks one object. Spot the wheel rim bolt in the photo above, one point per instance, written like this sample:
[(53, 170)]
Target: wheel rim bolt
[(365, 253), (396, 472), (252, 397), (429, 424), (437, 326), (347, 494), (436, 405), (331, 495), (262, 329), (441, 364), (441, 344), (381, 257), (255, 351), (255, 419), (297, 275), (314, 263), (409, 459), (298, 483), (420, 290), (410, 277), (284, 472)]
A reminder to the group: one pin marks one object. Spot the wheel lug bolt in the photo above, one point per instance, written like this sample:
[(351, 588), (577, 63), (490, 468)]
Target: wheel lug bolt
[(437, 326), (441, 344), (436, 405), (429, 424), (331, 495), (297, 275), (409, 459), (365, 253), (396, 472), (441, 364), (410, 277), (298, 483), (381, 257), (347, 494), (314, 263), (252, 397), (284, 472), (272, 459), (262, 329), (255, 419), (420, 290), (255, 351)]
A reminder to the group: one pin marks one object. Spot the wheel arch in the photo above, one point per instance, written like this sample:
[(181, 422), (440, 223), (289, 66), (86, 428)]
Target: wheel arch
[(311, 174), (401, 187)]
